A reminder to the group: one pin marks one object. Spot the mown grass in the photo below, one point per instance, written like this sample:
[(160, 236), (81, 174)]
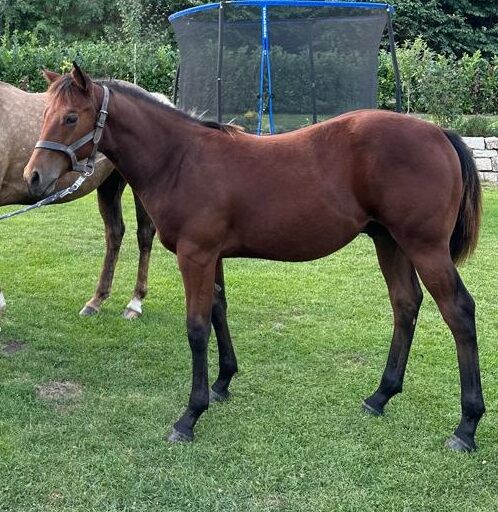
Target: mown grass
[(312, 341)]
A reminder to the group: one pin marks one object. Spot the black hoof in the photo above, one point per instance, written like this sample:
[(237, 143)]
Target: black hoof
[(456, 444), (214, 396), (179, 437), (372, 410), (88, 311)]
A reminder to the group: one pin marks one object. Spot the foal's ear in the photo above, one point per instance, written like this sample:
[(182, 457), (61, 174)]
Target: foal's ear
[(50, 76), (80, 78)]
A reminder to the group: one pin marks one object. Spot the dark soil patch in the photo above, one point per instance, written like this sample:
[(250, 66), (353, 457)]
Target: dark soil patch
[(12, 347)]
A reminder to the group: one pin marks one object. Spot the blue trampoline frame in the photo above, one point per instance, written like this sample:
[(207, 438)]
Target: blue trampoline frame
[(265, 42), (282, 3)]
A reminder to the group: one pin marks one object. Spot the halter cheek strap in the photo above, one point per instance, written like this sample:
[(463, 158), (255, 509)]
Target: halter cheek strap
[(85, 168)]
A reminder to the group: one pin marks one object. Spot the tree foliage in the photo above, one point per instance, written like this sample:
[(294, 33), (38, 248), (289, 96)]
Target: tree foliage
[(59, 19), (71, 20), (448, 26)]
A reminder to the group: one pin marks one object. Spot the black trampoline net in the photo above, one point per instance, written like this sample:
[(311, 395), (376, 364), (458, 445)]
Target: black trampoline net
[(322, 62)]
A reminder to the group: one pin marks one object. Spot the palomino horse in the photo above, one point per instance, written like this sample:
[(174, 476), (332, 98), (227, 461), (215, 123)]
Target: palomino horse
[(21, 116), (214, 192)]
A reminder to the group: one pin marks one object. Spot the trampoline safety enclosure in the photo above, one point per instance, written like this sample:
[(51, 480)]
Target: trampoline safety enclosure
[(276, 65)]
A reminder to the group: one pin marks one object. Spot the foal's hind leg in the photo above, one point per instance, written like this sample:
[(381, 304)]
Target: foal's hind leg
[(406, 296), (227, 360), (457, 307), (145, 236), (109, 198)]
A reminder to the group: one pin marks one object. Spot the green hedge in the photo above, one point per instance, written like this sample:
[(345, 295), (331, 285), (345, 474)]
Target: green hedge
[(443, 86), (151, 65)]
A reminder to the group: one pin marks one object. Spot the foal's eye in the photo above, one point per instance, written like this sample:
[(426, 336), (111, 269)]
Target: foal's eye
[(71, 119)]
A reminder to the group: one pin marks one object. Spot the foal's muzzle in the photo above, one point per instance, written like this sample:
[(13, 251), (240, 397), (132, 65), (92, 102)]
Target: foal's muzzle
[(40, 183)]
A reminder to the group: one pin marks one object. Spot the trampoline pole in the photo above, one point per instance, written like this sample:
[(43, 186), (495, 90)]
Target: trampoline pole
[(312, 74), (221, 23), (261, 78), (268, 69), (177, 83), (392, 47)]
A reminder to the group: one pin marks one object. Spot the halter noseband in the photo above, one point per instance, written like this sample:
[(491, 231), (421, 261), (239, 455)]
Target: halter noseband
[(84, 168)]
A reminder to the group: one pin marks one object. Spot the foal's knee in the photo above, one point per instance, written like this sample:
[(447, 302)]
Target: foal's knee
[(219, 307), (198, 334), (219, 298)]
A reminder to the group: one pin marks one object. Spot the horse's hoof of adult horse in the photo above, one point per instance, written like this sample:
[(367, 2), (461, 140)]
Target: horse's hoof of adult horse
[(372, 410), (179, 437), (214, 396), (89, 311), (456, 444), (130, 314)]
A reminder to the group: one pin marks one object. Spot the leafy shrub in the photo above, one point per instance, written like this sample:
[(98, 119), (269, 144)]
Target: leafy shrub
[(150, 65), (439, 84), (476, 126)]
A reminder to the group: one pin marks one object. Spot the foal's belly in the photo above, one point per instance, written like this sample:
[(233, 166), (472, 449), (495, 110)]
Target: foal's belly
[(297, 238), (309, 223)]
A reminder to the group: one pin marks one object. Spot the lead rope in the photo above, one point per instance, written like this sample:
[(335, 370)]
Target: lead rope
[(48, 200)]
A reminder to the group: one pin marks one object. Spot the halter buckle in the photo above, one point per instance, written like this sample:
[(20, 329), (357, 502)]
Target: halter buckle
[(101, 119)]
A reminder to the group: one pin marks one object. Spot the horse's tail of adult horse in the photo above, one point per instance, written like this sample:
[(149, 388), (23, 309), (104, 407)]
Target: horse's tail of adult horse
[(466, 233)]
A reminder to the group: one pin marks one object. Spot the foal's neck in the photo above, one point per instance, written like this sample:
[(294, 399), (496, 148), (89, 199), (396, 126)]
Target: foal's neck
[(145, 139)]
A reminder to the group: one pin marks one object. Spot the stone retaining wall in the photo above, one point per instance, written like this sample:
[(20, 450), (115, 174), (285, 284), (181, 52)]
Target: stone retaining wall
[(485, 150)]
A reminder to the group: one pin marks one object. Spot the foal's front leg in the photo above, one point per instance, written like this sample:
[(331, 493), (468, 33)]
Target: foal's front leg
[(227, 360), (198, 272)]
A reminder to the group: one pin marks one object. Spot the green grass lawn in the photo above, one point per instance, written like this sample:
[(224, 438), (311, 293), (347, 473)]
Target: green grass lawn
[(312, 341)]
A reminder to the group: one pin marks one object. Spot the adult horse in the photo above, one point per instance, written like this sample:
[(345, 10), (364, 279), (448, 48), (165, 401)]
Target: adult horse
[(214, 192), (21, 116)]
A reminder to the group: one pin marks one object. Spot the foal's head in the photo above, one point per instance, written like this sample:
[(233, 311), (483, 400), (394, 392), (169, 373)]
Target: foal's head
[(70, 113)]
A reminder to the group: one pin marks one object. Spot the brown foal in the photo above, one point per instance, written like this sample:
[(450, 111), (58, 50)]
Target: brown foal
[(214, 192)]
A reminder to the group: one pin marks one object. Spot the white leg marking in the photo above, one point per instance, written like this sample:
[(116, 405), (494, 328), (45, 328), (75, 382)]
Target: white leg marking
[(135, 305), (3, 304)]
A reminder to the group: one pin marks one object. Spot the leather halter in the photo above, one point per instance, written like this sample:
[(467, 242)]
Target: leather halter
[(84, 168)]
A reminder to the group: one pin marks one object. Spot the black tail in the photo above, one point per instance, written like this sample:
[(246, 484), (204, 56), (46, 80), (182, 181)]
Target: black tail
[(466, 233)]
